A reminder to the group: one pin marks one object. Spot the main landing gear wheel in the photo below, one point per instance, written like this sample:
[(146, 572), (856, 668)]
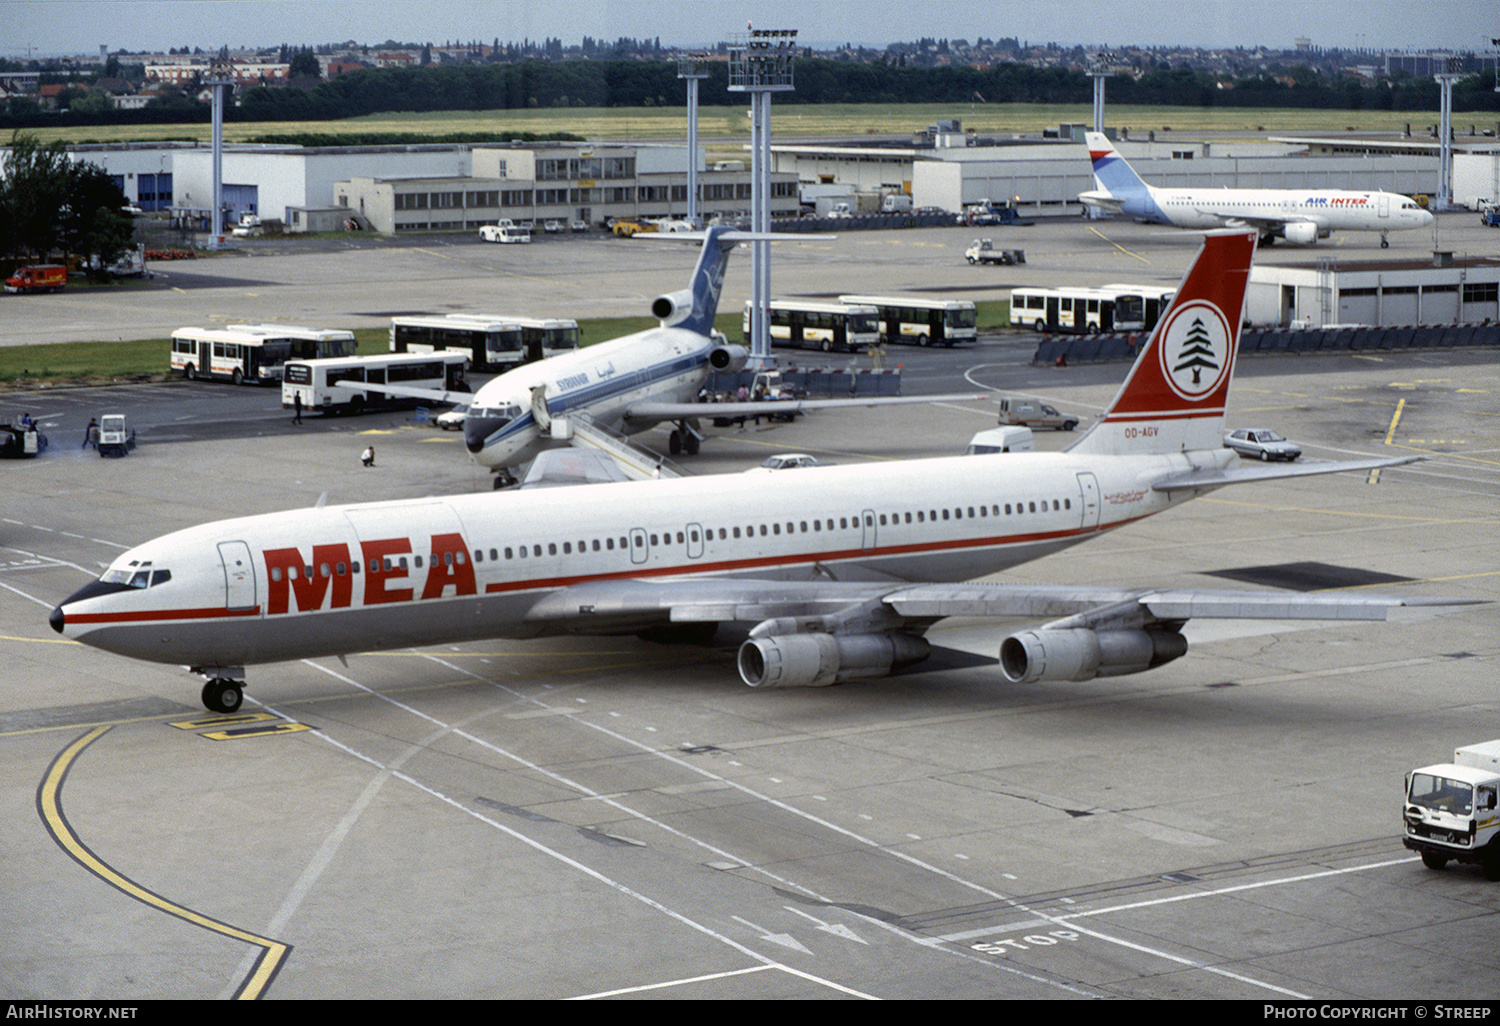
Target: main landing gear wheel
[(223, 696), (1385, 241)]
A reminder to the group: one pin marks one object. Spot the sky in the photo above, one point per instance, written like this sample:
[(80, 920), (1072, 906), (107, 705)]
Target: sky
[(50, 27)]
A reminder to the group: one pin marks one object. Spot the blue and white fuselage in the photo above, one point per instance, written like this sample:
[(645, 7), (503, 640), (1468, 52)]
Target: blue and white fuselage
[(1297, 215)]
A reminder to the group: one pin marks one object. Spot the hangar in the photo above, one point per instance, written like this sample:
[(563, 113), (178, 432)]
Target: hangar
[(1387, 293)]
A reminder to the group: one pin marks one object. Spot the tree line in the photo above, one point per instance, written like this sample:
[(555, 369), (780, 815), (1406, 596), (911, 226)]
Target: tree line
[(640, 83), (53, 206)]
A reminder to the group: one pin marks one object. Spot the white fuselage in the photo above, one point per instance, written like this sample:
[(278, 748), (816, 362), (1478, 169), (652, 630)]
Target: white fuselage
[(600, 383), (335, 580), (1327, 209)]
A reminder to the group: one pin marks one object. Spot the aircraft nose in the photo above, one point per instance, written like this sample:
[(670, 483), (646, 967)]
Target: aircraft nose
[(57, 620), (477, 431)]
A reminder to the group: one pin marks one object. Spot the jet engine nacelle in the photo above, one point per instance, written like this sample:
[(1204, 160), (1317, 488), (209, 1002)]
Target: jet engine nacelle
[(816, 660), (1080, 653), (727, 359), (673, 306), (1301, 233)]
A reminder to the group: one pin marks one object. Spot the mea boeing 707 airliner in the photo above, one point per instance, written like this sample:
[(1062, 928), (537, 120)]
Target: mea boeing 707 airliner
[(1301, 216), (840, 569)]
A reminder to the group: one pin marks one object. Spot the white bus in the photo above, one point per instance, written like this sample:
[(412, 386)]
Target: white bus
[(490, 343), (830, 327), (495, 342), (923, 322), (317, 382), (1089, 310), (253, 353)]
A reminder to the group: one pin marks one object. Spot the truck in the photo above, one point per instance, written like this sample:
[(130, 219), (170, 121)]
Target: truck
[(38, 278), (895, 203), (1031, 413), (1490, 216), (115, 439), (1001, 439), (1450, 809), (983, 251)]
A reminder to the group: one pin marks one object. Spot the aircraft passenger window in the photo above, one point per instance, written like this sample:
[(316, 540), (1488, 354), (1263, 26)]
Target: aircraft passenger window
[(596, 544), (307, 572), (775, 528), (692, 535), (624, 544), (736, 532), (342, 569), (402, 562), (680, 539), (567, 548), (324, 570), (653, 539), (508, 554), (882, 520), (921, 517), (908, 517), (551, 549), (417, 561), (762, 530), (609, 543), (275, 573), (722, 534)]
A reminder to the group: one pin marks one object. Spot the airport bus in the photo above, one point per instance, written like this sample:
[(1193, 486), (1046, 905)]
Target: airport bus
[(831, 327), (495, 342), (490, 343), (252, 353), (923, 322), (1115, 307), (331, 386)]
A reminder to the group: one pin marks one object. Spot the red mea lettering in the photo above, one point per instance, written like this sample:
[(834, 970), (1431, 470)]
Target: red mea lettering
[(294, 579), (455, 570), (375, 552)]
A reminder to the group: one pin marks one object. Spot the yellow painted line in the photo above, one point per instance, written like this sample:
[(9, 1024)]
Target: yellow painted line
[(1390, 432), (1115, 244), (49, 804), (223, 721)]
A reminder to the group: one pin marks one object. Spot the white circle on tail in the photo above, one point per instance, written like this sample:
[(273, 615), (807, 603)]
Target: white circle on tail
[(1194, 349)]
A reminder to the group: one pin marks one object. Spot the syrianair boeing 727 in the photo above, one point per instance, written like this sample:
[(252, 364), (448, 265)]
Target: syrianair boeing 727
[(1301, 216), (837, 571)]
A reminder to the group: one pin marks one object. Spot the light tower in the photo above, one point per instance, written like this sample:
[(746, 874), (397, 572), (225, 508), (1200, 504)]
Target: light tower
[(692, 71), (220, 78), (1099, 71), (760, 64), (1451, 71)]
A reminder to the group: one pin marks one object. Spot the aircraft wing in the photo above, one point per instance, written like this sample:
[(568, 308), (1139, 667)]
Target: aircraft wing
[(773, 407), (1102, 200), (1214, 478), (432, 395), (840, 607)]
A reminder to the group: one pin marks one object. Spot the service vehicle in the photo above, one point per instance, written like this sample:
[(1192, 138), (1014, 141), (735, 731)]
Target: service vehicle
[(115, 437), (1450, 809), (896, 203), (38, 278), (21, 441), (983, 251), (253, 353), (1001, 439), (552, 226), (1030, 413), (787, 461), (505, 234), (1262, 444), (1490, 216)]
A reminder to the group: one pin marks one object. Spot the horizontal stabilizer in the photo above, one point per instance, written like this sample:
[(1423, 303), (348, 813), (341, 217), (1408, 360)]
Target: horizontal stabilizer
[(432, 395), (1213, 478)]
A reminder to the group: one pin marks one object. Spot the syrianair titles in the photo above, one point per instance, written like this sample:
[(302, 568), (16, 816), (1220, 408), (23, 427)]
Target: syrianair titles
[(1301, 216), (837, 572)]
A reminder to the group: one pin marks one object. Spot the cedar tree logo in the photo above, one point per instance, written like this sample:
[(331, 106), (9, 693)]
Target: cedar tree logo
[(1195, 349)]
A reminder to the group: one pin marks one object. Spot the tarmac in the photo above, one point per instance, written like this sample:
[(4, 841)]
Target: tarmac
[(572, 818)]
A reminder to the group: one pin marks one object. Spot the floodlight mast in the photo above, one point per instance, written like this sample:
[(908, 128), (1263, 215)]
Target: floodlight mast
[(220, 78), (1452, 69), (760, 63), (692, 71)]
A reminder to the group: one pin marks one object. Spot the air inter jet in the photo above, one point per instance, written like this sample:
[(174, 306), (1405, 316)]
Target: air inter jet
[(629, 384), (840, 569), (1301, 216)]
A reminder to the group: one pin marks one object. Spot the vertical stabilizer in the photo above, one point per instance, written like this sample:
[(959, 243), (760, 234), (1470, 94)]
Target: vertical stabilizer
[(1174, 398), (1111, 173), (695, 307)]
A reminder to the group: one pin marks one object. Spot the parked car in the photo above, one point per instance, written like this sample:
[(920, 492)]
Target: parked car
[(453, 420), (1262, 444), (579, 225), (788, 460), (552, 226)]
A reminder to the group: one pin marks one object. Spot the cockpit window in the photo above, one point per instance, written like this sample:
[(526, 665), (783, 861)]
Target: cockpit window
[(136, 575)]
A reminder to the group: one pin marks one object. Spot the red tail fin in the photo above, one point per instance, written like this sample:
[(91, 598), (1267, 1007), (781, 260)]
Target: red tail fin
[(1174, 397)]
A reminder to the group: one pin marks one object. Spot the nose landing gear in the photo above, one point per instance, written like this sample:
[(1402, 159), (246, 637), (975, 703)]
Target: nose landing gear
[(222, 694)]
